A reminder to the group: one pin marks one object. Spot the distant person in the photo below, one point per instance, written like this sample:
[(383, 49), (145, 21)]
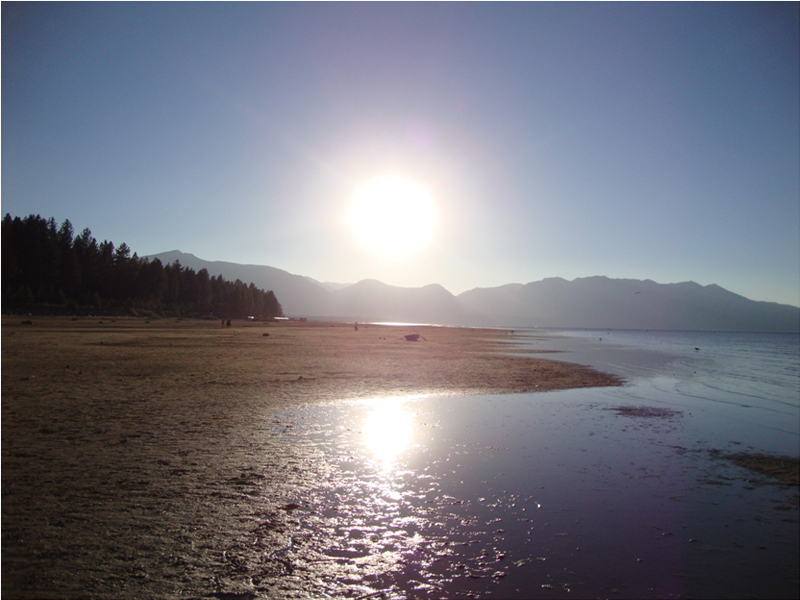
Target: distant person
[(356, 326), (228, 323)]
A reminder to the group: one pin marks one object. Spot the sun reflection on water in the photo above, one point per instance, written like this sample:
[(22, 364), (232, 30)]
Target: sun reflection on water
[(388, 429)]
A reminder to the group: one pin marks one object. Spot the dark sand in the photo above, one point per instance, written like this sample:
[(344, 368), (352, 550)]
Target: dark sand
[(135, 454), (785, 469)]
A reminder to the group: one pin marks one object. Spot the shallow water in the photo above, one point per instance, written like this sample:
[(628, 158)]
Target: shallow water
[(740, 388), (551, 494)]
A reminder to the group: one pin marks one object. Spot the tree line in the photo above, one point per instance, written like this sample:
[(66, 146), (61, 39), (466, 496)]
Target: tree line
[(51, 268)]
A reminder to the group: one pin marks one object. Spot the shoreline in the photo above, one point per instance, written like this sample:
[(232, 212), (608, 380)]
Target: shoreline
[(127, 443), (332, 360), (150, 459)]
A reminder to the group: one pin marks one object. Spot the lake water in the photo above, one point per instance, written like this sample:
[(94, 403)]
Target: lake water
[(741, 387), (560, 494)]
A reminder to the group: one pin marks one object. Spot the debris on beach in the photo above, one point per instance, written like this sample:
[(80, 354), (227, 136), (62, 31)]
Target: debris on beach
[(413, 337)]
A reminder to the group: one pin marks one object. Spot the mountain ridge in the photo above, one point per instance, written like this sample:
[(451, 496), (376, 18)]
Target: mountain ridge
[(595, 302)]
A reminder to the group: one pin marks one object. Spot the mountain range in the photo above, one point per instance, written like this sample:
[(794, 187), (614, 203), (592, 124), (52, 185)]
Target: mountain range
[(590, 302)]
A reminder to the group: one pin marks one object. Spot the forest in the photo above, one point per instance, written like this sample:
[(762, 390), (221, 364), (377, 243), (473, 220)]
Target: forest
[(47, 268)]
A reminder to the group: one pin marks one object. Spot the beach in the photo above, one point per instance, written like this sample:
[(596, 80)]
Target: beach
[(143, 458)]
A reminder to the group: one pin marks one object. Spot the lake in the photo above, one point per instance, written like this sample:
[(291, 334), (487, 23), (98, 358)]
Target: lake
[(608, 492)]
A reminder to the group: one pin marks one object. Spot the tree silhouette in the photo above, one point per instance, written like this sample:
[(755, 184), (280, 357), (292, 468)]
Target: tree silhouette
[(48, 268)]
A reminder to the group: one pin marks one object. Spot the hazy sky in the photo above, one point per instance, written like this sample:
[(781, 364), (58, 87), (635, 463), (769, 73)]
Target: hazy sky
[(649, 141)]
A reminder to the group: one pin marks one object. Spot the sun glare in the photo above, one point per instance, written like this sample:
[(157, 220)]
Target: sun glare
[(387, 431), (392, 217)]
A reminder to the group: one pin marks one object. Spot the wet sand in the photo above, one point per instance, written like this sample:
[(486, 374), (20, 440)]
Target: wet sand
[(784, 469), (139, 458)]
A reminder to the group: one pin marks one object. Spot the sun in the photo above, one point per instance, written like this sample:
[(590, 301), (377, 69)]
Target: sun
[(392, 217)]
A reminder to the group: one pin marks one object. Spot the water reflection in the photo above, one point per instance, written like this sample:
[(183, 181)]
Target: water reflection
[(543, 495), (387, 429)]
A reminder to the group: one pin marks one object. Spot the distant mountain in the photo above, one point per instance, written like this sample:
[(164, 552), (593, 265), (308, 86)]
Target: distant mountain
[(329, 285), (591, 302), (299, 296), (603, 303), (371, 300)]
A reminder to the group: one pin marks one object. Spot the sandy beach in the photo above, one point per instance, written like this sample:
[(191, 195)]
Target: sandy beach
[(136, 453)]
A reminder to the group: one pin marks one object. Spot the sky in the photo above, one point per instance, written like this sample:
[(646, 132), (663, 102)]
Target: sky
[(644, 141)]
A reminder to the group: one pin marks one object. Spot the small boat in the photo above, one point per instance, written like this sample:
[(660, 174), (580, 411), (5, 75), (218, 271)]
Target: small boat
[(412, 337)]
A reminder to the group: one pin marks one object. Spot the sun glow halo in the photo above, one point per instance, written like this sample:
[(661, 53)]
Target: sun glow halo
[(392, 216)]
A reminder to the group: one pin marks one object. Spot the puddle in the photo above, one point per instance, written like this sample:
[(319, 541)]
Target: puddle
[(527, 496)]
